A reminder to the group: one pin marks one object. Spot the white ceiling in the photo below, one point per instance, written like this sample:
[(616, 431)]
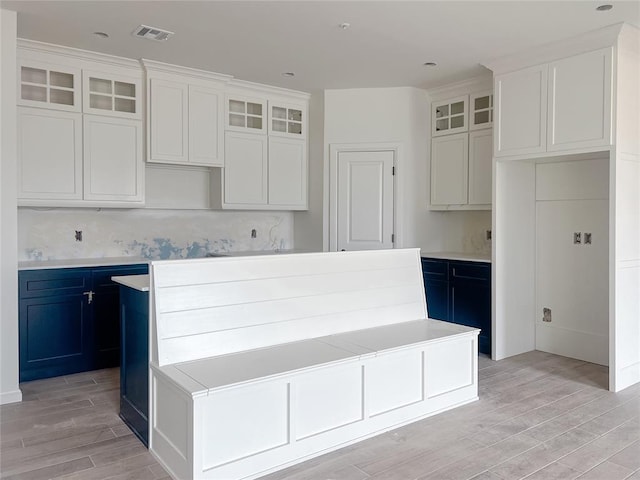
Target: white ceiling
[(387, 44)]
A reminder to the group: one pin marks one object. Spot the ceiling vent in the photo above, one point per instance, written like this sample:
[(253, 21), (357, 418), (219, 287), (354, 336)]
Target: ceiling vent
[(152, 33)]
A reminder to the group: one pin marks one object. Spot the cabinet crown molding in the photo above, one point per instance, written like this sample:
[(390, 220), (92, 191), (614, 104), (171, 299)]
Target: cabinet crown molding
[(152, 66), (251, 88), (470, 85), (549, 52), (74, 55)]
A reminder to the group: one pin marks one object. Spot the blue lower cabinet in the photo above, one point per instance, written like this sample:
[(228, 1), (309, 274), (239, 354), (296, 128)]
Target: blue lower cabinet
[(134, 361), (68, 320), (460, 292)]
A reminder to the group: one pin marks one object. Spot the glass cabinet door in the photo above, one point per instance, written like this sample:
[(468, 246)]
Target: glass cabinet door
[(246, 115), (481, 106), (449, 116), (46, 86), (105, 95), (286, 120)]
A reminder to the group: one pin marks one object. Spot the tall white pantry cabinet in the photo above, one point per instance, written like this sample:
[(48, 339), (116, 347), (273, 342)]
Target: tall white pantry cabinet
[(567, 138), (79, 128)]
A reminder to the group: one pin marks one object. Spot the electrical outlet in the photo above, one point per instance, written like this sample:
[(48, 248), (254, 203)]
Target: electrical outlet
[(587, 238), (78, 235), (254, 233), (546, 314), (488, 234), (577, 238)]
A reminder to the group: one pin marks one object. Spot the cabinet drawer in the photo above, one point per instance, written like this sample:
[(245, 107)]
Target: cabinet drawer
[(102, 276), (437, 269), (44, 283), (469, 271)]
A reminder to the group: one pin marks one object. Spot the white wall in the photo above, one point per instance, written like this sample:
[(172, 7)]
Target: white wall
[(9, 390), (401, 115), (153, 234), (308, 225)]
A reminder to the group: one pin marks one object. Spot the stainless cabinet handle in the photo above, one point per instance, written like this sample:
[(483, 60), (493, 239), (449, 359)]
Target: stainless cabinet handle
[(89, 295)]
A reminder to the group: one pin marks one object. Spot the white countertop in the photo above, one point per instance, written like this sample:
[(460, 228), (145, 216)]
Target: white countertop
[(468, 257), (138, 282), (80, 262)]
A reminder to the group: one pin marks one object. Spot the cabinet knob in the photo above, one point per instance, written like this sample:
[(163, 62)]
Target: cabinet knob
[(89, 295)]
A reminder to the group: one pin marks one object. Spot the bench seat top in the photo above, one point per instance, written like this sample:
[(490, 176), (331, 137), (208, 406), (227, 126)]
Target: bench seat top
[(203, 376)]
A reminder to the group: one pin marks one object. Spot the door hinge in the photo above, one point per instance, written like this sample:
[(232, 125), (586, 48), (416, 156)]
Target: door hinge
[(393, 238), (393, 170)]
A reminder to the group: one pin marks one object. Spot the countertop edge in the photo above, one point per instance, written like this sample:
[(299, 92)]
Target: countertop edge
[(461, 256)]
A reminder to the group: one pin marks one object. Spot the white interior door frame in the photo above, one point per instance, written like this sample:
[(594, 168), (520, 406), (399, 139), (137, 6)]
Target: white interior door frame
[(334, 152)]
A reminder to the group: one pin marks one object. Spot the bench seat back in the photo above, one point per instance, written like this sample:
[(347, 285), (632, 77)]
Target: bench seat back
[(216, 306)]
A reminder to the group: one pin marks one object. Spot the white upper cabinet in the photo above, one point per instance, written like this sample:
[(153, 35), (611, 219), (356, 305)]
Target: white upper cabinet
[(521, 112), (246, 171), (563, 106), (185, 123), (287, 120), (48, 86), (481, 110), (50, 155), (113, 163), (287, 173), (450, 116), (480, 167), (246, 114), (580, 101), (449, 170), (113, 95)]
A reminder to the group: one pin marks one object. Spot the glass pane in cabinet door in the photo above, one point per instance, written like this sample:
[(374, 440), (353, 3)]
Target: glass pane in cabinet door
[(254, 122), (442, 111), (457, 108), (100, 85), (102, 102), (279, 126), (442, 124), (125, 89), (481, 103), (236, 120), (127, 105), (481, 117), (37, 94), (33, 75), (457, 121), (295, 115), (61, 97), (254, 109), (295, 128), (236, 106), (59, 79), (279, 112)]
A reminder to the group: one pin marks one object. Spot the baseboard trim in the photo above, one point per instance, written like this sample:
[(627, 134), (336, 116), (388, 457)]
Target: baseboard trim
[(10, 397)]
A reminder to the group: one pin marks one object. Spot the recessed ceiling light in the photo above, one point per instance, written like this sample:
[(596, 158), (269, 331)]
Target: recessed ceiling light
[(288, 74), (344, 25), (430, 64), (604, 8), (101, 34)]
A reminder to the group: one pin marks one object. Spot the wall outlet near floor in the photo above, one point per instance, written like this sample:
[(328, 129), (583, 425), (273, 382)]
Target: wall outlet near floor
[(488, 233), (546, 314), (78, 235), (254, 233)]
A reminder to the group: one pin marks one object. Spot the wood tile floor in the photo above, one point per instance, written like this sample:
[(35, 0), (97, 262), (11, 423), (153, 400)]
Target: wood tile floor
[(540, 417)]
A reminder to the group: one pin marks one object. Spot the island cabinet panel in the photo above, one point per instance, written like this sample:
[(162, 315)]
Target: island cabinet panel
[(460, 292), (68, 320)]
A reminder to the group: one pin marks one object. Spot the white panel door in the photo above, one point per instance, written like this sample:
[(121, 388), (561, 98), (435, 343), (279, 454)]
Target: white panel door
[(288, 173), (365, 200), (49, 154), (572, 280), (168, 118), (521, 112), (580, 101), (449, 169), (480, 167), (245, 172), (113, 165), (206, 127)]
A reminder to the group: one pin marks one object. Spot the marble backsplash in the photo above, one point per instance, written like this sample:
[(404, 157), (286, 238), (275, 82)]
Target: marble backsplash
[(50, 234)]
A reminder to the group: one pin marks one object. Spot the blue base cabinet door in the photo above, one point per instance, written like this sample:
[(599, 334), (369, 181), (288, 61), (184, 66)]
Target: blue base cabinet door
[(54, 326)]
